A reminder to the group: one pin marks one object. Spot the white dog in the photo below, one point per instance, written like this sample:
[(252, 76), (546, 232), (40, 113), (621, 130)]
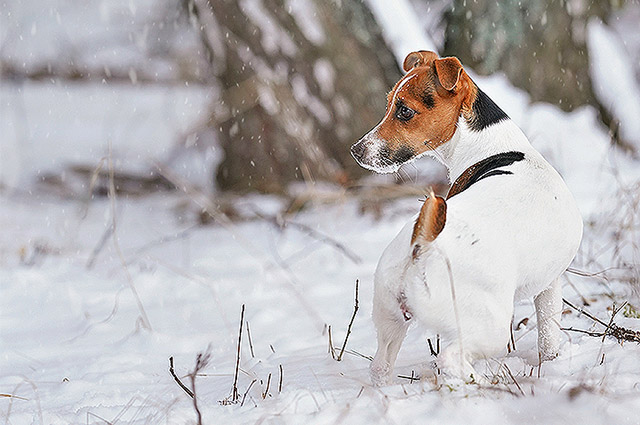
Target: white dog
[(507, 230)]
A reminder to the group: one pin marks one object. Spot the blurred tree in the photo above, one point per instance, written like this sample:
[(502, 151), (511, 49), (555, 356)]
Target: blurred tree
[(539, 44), (301, 81)]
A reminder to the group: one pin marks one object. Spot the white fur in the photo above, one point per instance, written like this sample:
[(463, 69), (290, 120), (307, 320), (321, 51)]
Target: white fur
[(506, 237)]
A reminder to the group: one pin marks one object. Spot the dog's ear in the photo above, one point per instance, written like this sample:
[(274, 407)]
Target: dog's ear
[(448, 70), (418, 58)]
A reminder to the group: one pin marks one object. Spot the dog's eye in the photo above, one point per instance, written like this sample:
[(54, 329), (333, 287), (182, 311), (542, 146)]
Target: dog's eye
[(404, 113)]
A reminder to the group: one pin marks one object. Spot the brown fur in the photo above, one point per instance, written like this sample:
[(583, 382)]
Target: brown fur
[(449, 88), (431, 220), (461, 182)]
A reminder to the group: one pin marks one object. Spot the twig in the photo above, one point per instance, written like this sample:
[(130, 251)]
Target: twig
[(164, 239), (436, 351), (14, 396), (175, 377), (332, 350), (513, 378), (539, 364), (411, 378), (589, 274), (234, 392), (280, 380), (99, 246), (202, 360), (357, 354), (611, 329), (353, 316), (247, 392), (312, 233), (250, 341), (590, 333), (513, 340), (266, 391), (586, 313), (613, 315)]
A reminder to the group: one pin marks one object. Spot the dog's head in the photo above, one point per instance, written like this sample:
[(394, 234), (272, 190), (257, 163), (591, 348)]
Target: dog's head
[(422, 112)]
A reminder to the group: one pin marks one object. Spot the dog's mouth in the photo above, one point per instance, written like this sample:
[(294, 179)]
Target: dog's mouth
[(375, 155)]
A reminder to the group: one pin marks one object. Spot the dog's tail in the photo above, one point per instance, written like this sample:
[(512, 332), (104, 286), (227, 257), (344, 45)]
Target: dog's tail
[(430, 222)]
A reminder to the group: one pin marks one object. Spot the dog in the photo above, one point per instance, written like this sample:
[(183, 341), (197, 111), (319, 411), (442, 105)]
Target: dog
[(507, 229)]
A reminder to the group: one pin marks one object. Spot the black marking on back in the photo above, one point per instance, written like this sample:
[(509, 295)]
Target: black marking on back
[(485, 112), (486, 168), (493, 173)]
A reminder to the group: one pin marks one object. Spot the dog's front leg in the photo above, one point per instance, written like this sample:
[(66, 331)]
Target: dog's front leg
[(391, 329), (548, 311)]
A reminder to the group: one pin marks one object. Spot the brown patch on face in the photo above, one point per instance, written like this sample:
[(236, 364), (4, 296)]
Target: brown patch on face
[(436, 91)]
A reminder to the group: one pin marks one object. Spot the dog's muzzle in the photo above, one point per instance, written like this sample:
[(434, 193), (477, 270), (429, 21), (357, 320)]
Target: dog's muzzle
[(358, 151), (372, 153)]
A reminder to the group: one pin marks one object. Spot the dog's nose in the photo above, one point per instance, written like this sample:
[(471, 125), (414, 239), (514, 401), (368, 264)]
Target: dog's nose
[(357, 150)]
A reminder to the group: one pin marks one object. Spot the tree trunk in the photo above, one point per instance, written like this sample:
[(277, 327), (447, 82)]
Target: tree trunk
[(295, 93), (540, 45)]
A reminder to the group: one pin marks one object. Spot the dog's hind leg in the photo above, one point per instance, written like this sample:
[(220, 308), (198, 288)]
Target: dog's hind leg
[(548, 311), (391, 329)]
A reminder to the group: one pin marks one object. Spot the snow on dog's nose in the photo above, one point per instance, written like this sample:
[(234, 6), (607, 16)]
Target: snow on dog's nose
[(372, 153)]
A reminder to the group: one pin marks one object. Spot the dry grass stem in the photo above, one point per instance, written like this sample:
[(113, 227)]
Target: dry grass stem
[(513, 378), (234, 391), (244, 396), (250, 341), (178, 381), (332, 350), (202, 360), (266, 391), (353, 316), (611, 329), (436, 351), (321, 237)]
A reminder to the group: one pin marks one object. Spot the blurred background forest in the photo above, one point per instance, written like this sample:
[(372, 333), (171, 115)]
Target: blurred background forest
[(260, 95)]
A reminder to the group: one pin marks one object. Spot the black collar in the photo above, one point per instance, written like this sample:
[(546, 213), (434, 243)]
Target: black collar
[(485, 168)]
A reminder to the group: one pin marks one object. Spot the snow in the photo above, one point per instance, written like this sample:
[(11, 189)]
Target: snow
[(47, 127), (274, 37), (614, 80), (109, 36), (73, 349), (402, 30), (304, 13)]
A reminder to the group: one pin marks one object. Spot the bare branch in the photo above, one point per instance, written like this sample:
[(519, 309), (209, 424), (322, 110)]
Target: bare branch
[(353, 316), (234, 391), (178, 381)]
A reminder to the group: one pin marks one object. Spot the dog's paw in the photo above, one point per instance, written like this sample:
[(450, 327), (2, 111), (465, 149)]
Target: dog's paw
[(380, 373)]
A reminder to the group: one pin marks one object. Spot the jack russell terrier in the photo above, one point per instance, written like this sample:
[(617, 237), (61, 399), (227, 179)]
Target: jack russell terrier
[(507, 230)]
